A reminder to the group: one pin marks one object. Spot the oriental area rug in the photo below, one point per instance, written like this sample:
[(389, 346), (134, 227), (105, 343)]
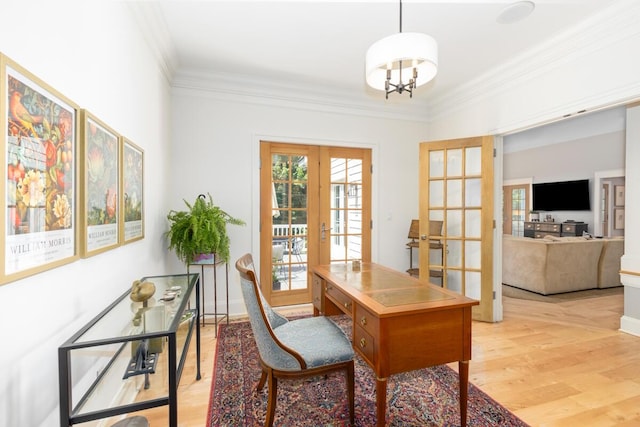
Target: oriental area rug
[(426, 397)]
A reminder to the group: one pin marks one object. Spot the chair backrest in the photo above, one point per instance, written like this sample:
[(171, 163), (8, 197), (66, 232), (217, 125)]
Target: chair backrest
[(263, 320)]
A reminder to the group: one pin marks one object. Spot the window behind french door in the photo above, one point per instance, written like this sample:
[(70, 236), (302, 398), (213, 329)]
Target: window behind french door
[(315, 209), (515, 207)]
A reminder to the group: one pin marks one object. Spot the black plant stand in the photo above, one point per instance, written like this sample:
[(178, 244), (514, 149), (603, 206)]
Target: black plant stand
[(215, 262)]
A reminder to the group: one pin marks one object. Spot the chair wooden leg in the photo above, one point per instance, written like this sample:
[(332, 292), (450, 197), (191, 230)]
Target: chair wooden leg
[(350, 392), (263, 379), (271, 402)]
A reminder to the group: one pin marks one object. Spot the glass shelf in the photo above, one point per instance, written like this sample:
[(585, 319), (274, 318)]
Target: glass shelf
[(103, 369)]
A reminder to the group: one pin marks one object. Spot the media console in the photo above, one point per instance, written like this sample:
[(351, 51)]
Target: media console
[(538, 230)]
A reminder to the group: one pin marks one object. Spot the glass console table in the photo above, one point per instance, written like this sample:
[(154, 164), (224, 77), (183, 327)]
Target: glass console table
[(130, 356)]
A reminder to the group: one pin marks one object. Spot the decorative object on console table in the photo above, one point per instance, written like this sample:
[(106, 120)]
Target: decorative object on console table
[(534, 216)]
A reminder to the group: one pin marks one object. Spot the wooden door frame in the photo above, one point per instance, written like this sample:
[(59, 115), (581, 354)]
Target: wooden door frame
[(486, 311), (326, 153), (265, 205), (265, 210), (506, 224)]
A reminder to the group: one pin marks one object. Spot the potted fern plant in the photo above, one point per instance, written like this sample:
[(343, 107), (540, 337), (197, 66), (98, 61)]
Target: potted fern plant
[(202, 229)]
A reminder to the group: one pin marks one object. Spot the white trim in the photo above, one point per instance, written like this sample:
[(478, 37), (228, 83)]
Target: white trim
[(630, 325)]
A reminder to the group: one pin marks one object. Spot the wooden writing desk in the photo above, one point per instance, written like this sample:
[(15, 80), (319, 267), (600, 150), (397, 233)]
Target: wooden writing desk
[(400, 323)]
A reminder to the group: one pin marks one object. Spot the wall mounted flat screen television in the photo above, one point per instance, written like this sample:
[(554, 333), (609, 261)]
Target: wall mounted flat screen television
[(562, 196)]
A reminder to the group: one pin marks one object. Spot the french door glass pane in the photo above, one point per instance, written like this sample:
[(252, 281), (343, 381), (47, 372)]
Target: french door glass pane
[(436, 193), (473, 161), (472, 223), (472, 254), (473, 284), (454, 193), (454, 223), (346, 209), (454, 280), (289, 219), (436, 164), (454, 253), (454, 162), (473, 193)]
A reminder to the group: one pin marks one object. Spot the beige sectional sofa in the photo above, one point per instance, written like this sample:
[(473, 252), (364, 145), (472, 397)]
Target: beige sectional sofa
[(560, 264), (609, 264)]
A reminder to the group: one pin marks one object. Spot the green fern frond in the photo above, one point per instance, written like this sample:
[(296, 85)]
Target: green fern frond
[(202, 229)]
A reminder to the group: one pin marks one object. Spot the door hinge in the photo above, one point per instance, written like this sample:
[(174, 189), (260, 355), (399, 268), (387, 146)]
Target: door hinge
[(494, 295), (494, 152), (371, 225), (371, 168)]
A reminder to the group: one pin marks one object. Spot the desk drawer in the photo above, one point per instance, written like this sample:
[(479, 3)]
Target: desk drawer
[(343, 302), (365, 344), (366, 320), (316, 292)]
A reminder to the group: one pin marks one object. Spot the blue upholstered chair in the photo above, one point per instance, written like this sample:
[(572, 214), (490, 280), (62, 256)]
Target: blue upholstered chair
[(292, 348)]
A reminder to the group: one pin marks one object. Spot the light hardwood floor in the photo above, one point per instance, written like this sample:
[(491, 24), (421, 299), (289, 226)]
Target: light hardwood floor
[(552, 364)]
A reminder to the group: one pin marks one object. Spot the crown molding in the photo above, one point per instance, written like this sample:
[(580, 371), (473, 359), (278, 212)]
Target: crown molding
[(254, 90), (154, 30), (601, 31)]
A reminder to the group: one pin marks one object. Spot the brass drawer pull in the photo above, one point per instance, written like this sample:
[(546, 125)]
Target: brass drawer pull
[(363, 342), (363, 321), (347, 305)]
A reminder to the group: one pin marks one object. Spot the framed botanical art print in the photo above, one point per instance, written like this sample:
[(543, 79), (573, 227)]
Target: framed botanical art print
[(100, 186), (132, 192), (39, 129)]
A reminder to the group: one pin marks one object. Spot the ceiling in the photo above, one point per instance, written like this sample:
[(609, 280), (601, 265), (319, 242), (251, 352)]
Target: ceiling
[(322, 44)]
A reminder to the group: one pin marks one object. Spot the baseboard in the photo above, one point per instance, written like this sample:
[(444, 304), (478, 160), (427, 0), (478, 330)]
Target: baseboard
[(630, 325)]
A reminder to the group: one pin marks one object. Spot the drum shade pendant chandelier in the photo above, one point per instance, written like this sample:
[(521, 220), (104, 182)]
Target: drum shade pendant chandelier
[(401, 62)]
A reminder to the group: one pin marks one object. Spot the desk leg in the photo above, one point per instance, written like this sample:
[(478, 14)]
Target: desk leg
[(463, 374), (381, 401)]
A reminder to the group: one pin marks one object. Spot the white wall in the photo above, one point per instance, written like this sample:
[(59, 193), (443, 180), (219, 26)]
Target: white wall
[(217, 150), (93, 53)]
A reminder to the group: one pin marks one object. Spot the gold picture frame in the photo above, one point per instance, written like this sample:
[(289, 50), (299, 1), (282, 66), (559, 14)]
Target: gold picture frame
[(100, 186), (131, 192), (40, 139)]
